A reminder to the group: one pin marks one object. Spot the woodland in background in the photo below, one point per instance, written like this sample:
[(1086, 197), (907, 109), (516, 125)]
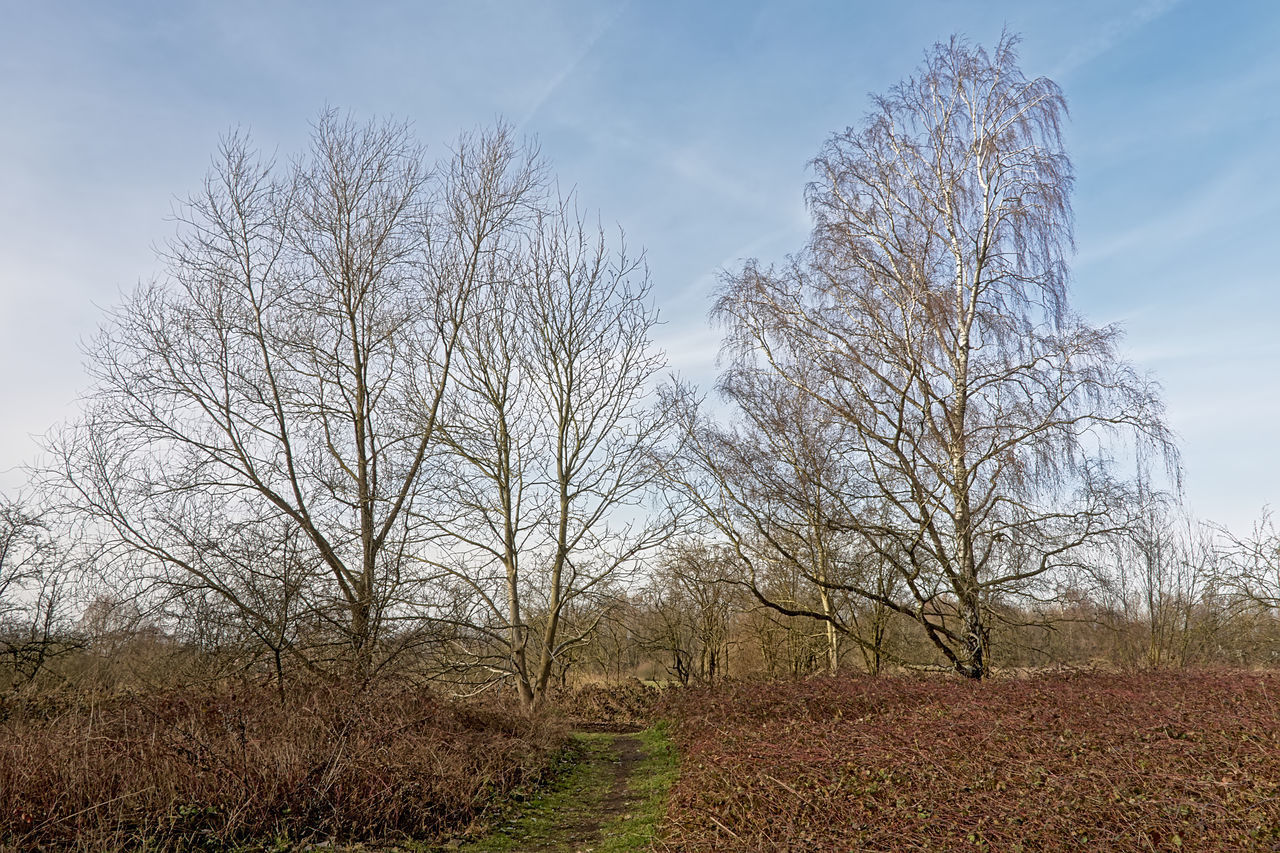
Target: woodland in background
[(1189, 596)]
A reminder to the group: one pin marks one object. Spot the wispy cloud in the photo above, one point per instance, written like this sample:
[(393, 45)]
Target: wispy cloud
[(567, 71), (1114, 32), (1220, 204), (691, 351)]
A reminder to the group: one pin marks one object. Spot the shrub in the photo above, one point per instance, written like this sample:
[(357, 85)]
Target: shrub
[(214, 769), (626, 704)]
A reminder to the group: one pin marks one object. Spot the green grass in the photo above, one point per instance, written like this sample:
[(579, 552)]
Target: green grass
[(579, 786), (651, 781), (581, 783)]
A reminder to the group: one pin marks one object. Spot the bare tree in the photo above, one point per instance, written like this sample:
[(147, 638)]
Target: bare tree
[(1249, 575), (285, 376), (1256, 561), (929, 315), (548, 440), (1169, 576), (23, 542), (776, 488), (34, 583), (688, 611)]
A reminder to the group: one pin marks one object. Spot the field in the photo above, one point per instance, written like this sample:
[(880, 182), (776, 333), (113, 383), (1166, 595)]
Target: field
[(1166, 760), (1159, 761)]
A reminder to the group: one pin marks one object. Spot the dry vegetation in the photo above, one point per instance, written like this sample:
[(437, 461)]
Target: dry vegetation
[(247, 770), (624, 705), (1152, 761)]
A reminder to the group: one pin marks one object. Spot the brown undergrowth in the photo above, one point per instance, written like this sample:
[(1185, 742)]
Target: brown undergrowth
[(624, 706), (246, 770), (1120, 762)]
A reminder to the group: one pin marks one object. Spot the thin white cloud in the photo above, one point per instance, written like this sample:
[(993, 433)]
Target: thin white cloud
[(1219, 205), (554, 84), (1111, 34), (691, 350)]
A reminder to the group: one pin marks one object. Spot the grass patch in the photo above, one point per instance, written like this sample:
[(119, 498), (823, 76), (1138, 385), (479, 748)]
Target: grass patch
[(582, 805), (581, 778)]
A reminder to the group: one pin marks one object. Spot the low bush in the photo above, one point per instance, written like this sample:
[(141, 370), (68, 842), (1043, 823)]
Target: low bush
[(623, 705), (1116, 762), (247, 769)]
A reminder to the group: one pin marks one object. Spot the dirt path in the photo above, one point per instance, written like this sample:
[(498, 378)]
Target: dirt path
[(608, 801), (581, 828)]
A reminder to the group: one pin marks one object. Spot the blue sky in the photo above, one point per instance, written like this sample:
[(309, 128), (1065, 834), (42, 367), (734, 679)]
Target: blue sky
[(689, 124)]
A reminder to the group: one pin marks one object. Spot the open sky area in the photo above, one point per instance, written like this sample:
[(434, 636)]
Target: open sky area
[(690, 125)]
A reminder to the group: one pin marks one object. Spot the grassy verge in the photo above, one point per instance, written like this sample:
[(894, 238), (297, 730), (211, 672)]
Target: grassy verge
[(580, 783)]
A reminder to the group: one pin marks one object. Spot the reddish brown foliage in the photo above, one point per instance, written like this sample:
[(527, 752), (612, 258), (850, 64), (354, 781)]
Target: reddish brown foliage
[(184, 771), (1107, 762)]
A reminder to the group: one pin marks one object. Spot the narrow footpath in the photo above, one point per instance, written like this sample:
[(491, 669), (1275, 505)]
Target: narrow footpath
[(609, 800)]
